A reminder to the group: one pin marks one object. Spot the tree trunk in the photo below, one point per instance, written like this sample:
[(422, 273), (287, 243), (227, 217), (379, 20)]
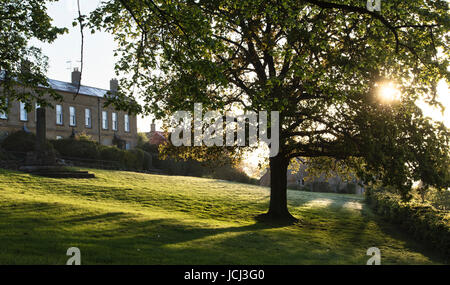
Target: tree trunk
[(278, 210)]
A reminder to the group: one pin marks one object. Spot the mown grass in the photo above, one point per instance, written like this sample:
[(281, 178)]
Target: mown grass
[(133, 218)]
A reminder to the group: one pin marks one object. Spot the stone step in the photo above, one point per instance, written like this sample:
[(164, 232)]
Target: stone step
[(65, 174)]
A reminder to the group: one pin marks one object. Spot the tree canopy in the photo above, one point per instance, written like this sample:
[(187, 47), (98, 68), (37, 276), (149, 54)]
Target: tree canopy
[(21, 21), (319, 63)]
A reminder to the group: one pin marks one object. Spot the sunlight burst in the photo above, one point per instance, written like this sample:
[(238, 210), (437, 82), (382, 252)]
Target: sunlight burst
[(388, 92)]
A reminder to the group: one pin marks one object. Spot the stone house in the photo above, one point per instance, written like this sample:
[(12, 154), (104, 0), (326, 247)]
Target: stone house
[(83, 114)]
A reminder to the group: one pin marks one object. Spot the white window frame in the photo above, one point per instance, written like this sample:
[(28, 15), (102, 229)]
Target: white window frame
[(23, 112), (72, 116), (59, 115), (87, 118), (4, 115), (105, 120), (127, 123), (114, 122)]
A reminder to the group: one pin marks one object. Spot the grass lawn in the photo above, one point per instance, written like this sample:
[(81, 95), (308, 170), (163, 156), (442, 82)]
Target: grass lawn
[(132, 218)]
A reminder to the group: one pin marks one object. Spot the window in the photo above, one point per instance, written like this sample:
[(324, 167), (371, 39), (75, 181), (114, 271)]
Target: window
[(37, 106), (23, 112), (105, 120), (127, 145), (127, 123), (114, 121), (3, 115), (87, 118), (73, 117), (59, 115)]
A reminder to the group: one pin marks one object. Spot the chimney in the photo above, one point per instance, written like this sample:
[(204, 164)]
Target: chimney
[(76, 76), (113, 85), (152, 127)]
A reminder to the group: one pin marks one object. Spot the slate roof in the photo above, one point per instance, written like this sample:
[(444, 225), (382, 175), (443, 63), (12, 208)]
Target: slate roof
[(71, 88)]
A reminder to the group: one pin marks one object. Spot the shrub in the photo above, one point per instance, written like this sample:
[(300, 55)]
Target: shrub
[(424, 222), (19, 141), (324, 187), (142, 139), (134, 159), (150, 148), (82, 148), (230, 173), (111, 153), (148, 161), (350, 188)]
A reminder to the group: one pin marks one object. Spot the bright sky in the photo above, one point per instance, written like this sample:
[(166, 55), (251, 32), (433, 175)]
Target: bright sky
[(98, 62), (436, 113)]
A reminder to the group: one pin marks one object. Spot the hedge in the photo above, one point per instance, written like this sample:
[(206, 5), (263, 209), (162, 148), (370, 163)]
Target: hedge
[(19, 141), (425, 223), (135, 159)]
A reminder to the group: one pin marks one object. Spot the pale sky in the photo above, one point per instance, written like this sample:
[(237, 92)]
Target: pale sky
[(98, 62)]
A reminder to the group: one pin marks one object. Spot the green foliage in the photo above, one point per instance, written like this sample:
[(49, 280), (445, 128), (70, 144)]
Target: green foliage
[(76, 148), (230, 173), (20, 22), (118, 142), (84, 148), (142, 139), (84, 137), (210, 169), (424, 222), (19, 141), (439, 199), (150, 148), (4, 155), (318, 63)]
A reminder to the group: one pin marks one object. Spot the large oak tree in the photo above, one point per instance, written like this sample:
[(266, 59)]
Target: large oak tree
[(319, 63)]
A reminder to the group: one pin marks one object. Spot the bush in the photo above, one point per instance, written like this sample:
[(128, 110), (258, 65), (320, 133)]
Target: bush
[(77, 148), (424, 222), (150, 148), (350, 188), (19, 141), (148, 161), (198, 169), (323, 187), (84, 148), (111, 153), (231, 173)]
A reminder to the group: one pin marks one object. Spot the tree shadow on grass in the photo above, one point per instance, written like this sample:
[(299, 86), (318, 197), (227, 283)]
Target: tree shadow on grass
[(48, 229), (365, 229)]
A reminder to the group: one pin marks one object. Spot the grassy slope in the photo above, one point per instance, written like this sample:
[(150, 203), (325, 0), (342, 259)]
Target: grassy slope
[(132, 218)]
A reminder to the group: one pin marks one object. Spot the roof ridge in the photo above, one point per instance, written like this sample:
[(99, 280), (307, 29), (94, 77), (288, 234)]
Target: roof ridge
[(66, 82)]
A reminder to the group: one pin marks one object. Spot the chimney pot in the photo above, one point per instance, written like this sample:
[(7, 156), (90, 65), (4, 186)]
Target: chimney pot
[(113, 85), (76, 76)]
